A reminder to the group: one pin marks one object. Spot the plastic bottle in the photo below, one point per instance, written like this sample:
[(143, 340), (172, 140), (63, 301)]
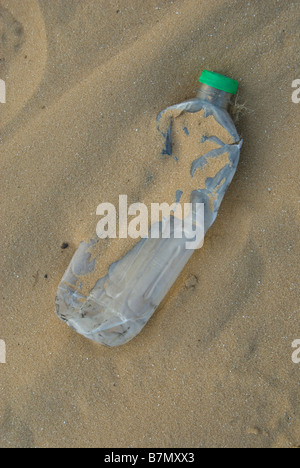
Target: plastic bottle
[(121, 303)]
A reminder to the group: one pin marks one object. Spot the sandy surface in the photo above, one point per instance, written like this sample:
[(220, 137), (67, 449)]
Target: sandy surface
[(213, 368)]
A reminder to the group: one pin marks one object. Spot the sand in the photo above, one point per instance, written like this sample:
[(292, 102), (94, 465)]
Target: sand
[(85, 81)]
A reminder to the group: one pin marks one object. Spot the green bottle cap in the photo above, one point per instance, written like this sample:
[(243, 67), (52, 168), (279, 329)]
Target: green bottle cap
[(215, 80)]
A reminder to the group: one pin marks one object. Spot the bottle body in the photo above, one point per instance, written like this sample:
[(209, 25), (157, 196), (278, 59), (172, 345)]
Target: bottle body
[(121, 303)]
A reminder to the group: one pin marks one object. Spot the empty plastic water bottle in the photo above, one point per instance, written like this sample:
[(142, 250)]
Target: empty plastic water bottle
[(120, 304)]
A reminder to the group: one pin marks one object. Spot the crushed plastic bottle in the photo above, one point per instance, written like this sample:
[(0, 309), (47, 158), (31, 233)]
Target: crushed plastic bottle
[(121, 303)]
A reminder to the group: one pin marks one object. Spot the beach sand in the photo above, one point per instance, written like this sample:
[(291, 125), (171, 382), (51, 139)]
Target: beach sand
[(85, 80)]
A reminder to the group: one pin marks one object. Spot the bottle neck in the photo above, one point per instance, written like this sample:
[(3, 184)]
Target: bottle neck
[(214, 96)]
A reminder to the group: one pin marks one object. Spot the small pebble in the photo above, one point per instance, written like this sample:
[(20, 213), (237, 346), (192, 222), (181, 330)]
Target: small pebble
[(191, 282), (253, 431)]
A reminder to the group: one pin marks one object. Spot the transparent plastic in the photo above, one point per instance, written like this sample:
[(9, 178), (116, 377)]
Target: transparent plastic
[(121, 303)]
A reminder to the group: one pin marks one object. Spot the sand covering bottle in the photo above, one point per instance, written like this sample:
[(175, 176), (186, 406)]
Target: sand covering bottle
[(202, 150)]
